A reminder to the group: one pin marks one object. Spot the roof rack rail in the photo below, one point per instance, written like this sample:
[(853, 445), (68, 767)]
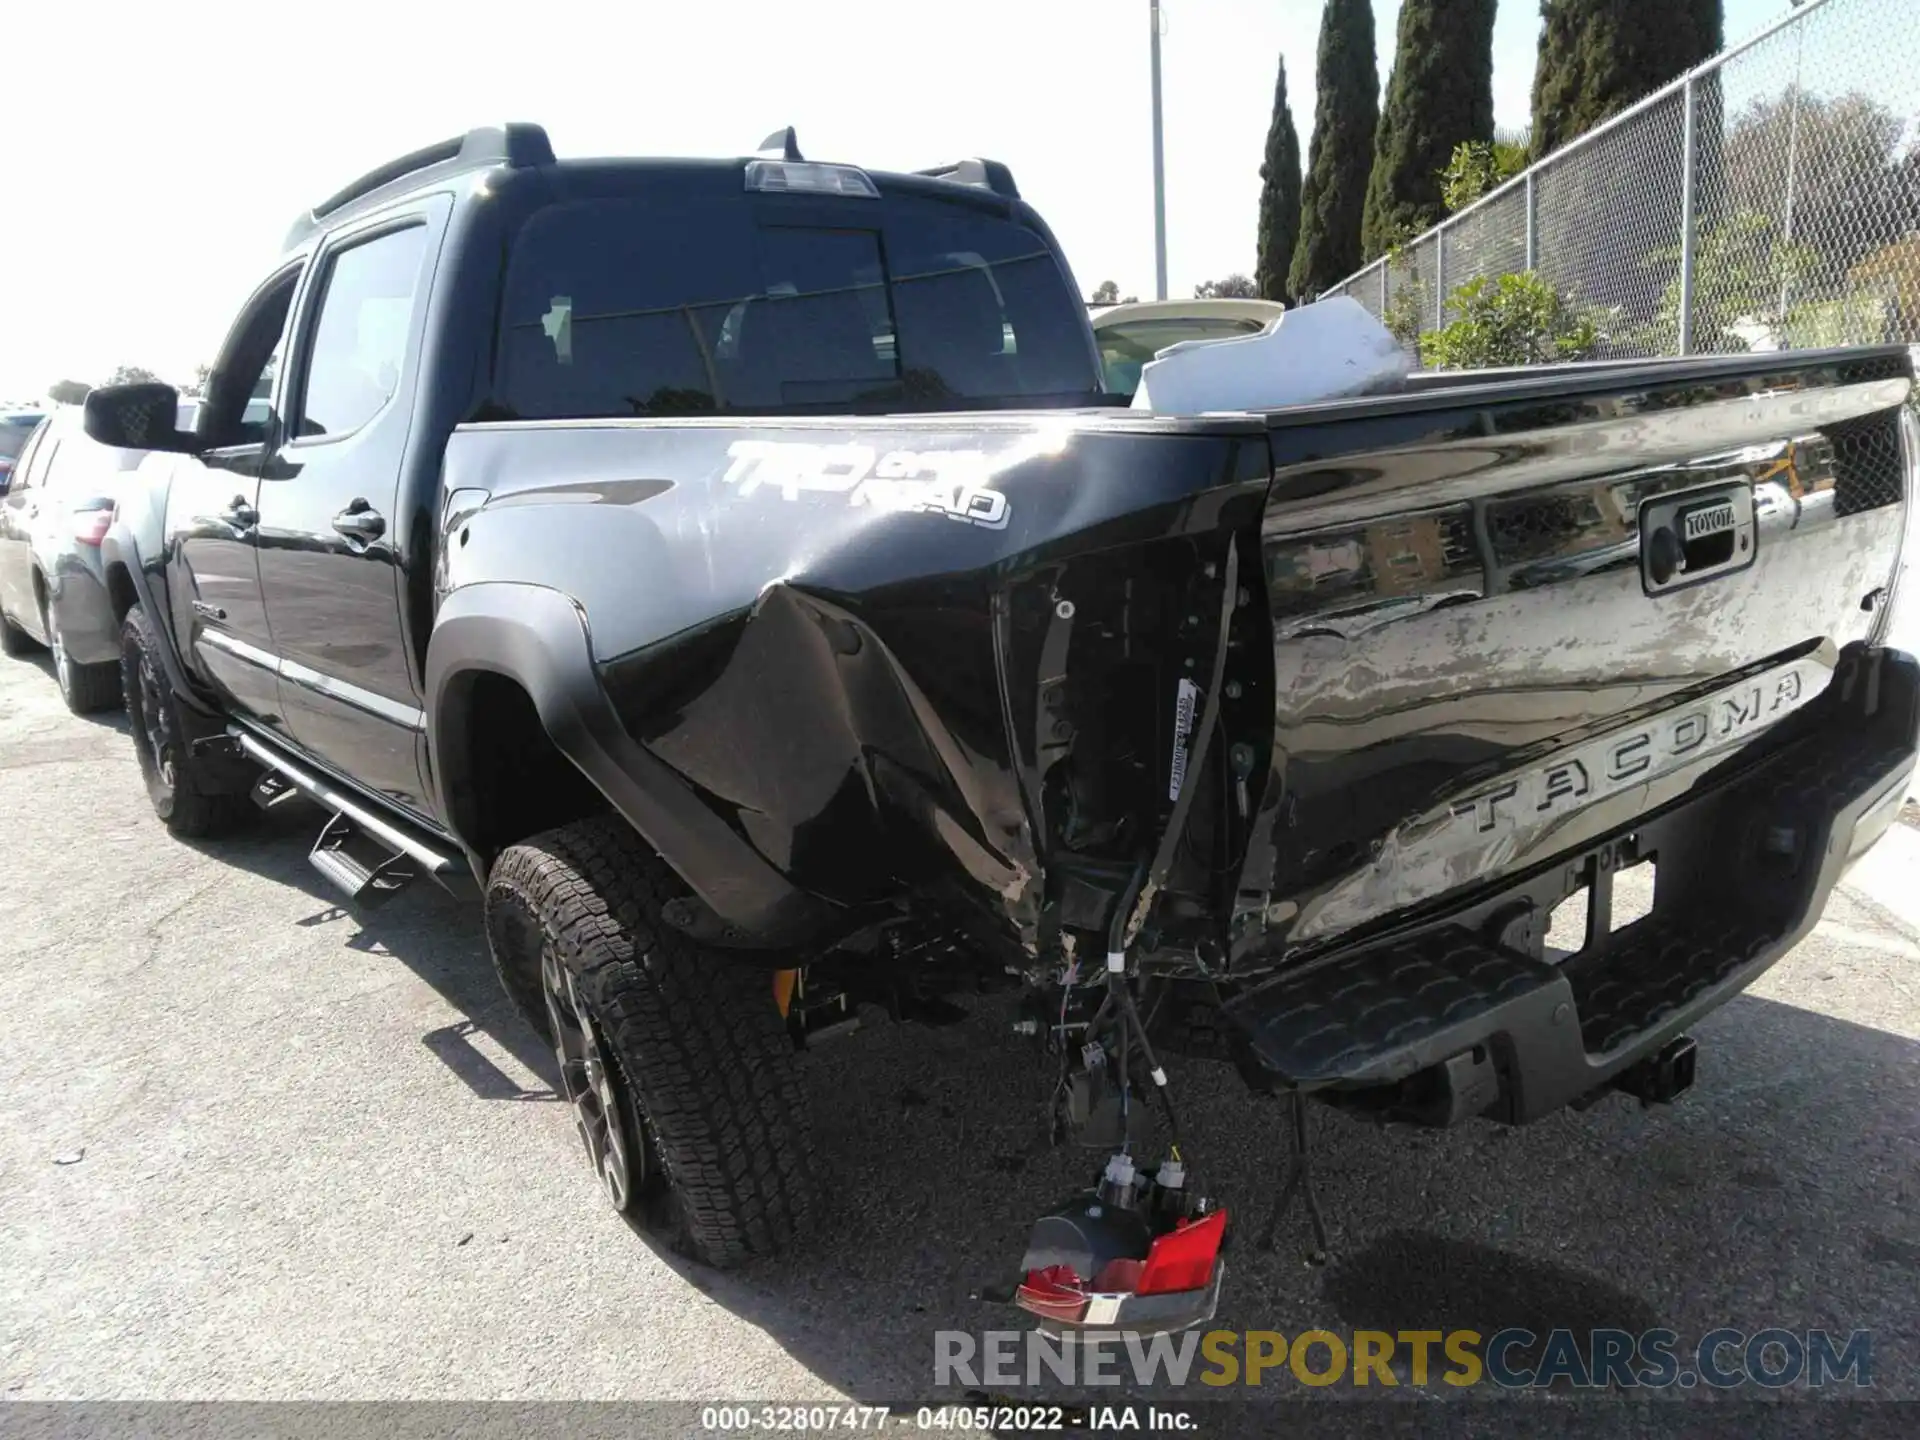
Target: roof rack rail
[(516, 145), (988, 174)]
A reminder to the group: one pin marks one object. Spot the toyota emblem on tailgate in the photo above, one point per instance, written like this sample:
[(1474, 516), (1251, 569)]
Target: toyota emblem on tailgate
[(1685, 539)]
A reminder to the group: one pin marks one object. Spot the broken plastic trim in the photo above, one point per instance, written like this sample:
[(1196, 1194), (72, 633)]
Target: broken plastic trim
[(1175, 1288)]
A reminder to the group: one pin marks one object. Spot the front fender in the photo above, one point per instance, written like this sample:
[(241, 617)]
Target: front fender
[(538, 638), (121, 554)]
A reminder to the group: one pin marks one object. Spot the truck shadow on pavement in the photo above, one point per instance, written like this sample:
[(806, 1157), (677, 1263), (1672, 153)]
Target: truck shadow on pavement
[(430, 932), (1778, 1193)]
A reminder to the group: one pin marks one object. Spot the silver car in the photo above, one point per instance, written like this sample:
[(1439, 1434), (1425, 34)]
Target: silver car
[(57, 507)]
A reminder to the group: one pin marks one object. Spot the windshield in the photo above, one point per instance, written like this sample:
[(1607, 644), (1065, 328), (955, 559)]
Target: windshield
[(1125, 348), (624, 307)]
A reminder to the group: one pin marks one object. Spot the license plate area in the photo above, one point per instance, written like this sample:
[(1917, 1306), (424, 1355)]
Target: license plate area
[(1697, 536)]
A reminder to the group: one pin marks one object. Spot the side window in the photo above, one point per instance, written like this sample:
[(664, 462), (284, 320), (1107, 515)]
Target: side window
[(256, 413), (23, 468), (360, 339), (43, 464)]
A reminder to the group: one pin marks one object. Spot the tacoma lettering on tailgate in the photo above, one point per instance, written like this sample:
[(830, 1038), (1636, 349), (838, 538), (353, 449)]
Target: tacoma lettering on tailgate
[(1504, 821)]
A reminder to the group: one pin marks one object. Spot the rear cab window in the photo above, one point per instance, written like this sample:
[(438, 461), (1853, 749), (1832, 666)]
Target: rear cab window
[(716, 304)]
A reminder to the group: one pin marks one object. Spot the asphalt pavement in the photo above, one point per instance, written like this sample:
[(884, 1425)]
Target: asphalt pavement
[(254, 1145)]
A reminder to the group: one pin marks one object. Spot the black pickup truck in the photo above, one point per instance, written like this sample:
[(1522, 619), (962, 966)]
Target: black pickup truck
[(733, 570)]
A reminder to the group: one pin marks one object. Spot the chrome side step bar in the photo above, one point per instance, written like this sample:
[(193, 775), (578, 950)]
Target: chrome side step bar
[(360, 867), (431, 858)]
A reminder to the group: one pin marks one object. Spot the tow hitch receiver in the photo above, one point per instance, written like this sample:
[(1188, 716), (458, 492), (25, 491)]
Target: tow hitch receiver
[(1137, 1254), (1662, 1077)]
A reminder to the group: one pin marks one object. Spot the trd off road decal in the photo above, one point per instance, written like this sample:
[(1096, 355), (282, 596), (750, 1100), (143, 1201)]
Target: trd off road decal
[(953, 483)]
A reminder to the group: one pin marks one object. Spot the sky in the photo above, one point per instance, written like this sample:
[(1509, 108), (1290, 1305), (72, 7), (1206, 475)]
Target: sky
[(158, 154)]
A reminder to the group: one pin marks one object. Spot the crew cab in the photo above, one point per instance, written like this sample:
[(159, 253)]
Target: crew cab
[(735, 571)]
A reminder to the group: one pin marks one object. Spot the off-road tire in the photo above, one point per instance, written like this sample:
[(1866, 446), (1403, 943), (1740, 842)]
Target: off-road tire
[(693, 1036), (14, 640), (189, 792), (86, 688)]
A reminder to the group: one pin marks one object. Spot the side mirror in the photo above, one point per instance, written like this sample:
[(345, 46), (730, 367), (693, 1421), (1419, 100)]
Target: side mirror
[(137, 417)]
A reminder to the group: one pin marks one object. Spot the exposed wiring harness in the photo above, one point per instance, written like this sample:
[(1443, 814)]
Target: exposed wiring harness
[(1135, 900)]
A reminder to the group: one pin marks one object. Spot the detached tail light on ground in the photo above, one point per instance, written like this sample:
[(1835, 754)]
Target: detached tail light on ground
[(1138, 1254)]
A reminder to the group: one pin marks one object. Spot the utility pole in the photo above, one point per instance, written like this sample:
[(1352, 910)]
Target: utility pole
[(1159, 168), (1793, 158)]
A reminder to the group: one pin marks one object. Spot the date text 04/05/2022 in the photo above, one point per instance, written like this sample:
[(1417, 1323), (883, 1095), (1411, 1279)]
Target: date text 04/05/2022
[(997, 1419)]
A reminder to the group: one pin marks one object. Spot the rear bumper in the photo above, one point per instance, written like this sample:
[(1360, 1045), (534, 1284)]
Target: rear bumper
[(1467, 1015)]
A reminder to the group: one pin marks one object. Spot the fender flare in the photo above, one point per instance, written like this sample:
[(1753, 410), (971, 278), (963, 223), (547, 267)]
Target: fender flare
[(120, 548), (537, 637)]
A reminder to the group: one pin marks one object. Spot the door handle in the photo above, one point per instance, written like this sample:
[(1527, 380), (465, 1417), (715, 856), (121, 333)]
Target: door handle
[(360, 521), (240, 515)]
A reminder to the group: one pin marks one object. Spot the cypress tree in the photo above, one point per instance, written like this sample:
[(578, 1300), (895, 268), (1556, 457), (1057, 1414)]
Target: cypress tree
[(1346, 113), (1599, 56), (1441, 93), (1279, 198)]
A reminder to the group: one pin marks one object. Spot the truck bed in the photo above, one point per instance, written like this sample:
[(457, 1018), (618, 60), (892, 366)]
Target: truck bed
[(970, 652)]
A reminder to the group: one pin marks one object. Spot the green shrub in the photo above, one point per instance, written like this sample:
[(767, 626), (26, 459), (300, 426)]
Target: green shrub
[(1478, 168), (1517, 319), (1743, 271), (1408, 311), (1858, 318)]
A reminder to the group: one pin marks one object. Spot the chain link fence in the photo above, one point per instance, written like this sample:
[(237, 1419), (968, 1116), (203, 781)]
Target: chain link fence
[(1770, 199)]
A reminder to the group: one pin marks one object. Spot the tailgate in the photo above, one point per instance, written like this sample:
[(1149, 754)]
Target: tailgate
[(1510, 620)]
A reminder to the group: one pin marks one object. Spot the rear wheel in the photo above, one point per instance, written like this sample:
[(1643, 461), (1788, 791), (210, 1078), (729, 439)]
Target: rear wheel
[(188, 792), (678, 1066), (85, 688)]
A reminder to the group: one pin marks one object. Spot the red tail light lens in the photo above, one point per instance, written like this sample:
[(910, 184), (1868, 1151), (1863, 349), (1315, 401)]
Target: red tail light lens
[(1183, 1260), (1181, 1264), (1054, 1293), (91, 526)]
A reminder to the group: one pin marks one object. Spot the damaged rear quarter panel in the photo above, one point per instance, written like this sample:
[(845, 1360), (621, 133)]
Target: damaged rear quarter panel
[(808, 622)]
